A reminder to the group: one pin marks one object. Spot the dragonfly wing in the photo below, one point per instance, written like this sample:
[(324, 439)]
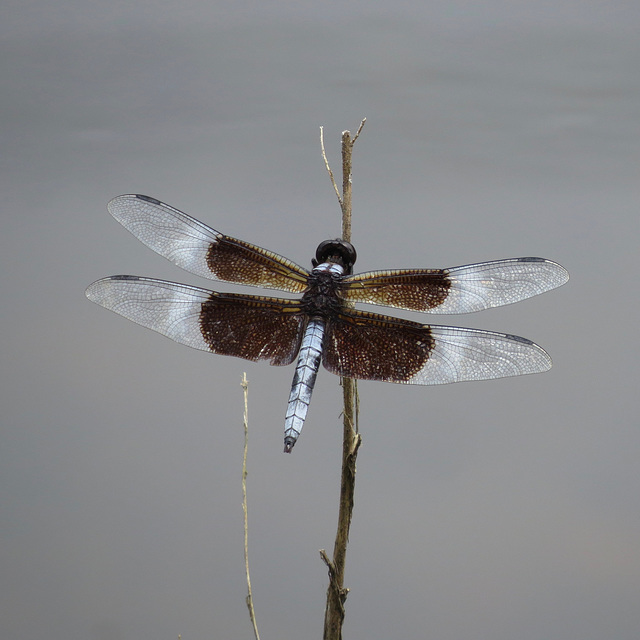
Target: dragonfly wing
[(194, 246)]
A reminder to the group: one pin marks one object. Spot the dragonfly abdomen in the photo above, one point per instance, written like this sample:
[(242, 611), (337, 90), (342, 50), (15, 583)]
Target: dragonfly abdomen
[(303, 381)]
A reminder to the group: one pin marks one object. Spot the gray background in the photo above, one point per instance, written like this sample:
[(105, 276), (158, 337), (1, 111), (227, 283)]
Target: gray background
[(498, 510)]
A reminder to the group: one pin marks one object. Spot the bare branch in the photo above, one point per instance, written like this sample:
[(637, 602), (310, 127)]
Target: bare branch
[(249, 599), (359, 130), (336, 592), (326, 164)]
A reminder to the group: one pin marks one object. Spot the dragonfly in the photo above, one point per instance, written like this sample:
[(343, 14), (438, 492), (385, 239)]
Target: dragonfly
[(323, 325)]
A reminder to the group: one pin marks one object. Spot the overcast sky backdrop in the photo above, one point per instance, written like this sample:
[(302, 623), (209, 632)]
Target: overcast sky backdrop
[(499, 510)]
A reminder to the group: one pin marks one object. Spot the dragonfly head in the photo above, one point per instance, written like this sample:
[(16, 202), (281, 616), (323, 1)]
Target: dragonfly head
[(338, 251)]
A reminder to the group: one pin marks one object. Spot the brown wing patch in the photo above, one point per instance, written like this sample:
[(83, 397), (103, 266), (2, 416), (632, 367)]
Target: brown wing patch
[(253, 327), (415, 290), (236, 261), (370, 346)]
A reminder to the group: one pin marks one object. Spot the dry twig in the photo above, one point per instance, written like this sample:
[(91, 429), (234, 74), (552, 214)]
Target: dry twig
[(336, 592), (249, 599)]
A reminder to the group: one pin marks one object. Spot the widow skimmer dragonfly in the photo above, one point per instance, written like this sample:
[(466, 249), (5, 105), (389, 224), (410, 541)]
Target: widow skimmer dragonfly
[(322, 325)]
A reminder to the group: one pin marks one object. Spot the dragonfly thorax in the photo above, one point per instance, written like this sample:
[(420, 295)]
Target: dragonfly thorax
[(321, 297)]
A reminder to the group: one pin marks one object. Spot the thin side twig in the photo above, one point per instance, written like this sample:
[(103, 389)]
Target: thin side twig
[(336, 591), (328, 166), (249, 599)]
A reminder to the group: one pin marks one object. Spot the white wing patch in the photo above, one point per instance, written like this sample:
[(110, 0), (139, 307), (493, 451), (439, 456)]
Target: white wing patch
[(481, 286), (471, 354), (166, 307), (178, 237)]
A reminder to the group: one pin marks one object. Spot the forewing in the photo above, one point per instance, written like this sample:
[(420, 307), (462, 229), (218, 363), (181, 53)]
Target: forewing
[(194, 246), (249, 327), (464, 289), (373, 347)]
